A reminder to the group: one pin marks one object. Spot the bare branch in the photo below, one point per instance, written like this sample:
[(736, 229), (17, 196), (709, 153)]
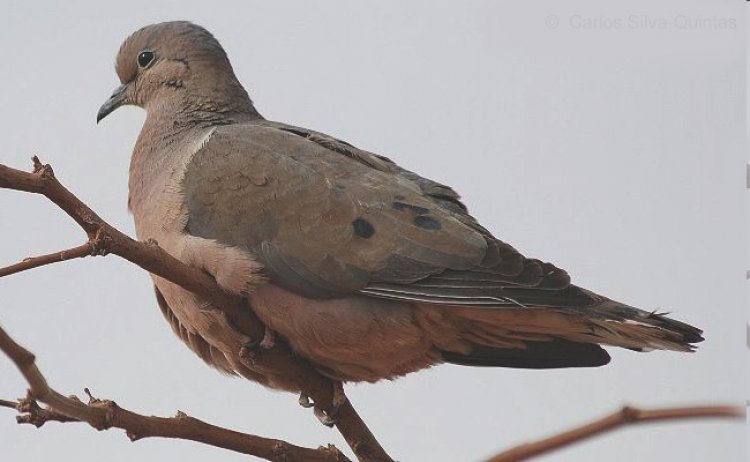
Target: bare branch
[(105, 414), (623, 417), (8, 404), (35, 262), (32, 413), (277, 361)]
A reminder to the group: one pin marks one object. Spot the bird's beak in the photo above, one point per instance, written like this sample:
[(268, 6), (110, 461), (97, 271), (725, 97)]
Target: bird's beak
[(118, 98)]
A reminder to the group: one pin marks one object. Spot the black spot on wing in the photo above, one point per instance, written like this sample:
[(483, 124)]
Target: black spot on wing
[(363, 228), (427, 222)]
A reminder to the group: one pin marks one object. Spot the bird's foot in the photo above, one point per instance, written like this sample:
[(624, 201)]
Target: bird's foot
[(328, 418), (251, 349), (269, 339), (247, 351), (339, 397), (304, 401), (324, 417)]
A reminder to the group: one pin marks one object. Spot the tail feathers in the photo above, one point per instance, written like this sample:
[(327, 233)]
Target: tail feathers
[(621, 325), (556, 353), (548, 337)]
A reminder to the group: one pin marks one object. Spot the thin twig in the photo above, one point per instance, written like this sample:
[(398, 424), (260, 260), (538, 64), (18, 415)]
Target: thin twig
[(105, 414), (277, 363), (8, 404), (35, 262), (625, 416), (32, 413)]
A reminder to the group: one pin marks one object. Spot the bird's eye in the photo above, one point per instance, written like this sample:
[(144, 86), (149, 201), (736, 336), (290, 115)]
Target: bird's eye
[(145, 58)]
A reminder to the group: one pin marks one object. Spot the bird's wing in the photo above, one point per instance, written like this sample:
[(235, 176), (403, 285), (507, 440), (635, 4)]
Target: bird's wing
[(326, 219)]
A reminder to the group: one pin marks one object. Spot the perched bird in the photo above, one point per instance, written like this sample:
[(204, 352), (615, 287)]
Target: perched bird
[(366, 269)]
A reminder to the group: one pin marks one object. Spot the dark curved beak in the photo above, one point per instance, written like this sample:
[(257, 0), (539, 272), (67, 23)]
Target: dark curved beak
[(118, 98)]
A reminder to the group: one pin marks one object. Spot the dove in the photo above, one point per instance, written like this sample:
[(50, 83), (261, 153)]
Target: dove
[(367, 270)]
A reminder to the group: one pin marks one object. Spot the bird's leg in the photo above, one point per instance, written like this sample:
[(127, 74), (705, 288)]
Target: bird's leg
[(327, 418), (267, 342), (251, 349), (339, 397), (269, 339)]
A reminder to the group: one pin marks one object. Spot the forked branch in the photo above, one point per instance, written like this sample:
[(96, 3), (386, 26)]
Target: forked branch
[(105, 414)]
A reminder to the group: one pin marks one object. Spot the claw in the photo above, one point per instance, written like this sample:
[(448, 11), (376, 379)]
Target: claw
[(249, 349), (252, 348), (251, 345), (324, 418), (304, 401), (327, 418)]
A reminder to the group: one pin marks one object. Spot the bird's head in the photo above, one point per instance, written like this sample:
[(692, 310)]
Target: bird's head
[(175, 64)]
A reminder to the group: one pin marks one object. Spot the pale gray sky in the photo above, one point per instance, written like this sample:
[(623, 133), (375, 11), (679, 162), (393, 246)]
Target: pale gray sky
[(606, 137)]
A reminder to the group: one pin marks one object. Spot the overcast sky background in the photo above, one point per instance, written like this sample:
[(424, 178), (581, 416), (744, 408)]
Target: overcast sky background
[(584, 134)]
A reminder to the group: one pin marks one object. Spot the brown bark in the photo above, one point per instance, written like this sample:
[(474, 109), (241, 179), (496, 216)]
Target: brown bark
[(623, 417)]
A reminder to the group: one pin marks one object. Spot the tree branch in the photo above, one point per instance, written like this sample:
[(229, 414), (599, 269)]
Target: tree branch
[(35, 262), (8, 404), (277, 361), (623, 417), (105, 414), (32, 413)]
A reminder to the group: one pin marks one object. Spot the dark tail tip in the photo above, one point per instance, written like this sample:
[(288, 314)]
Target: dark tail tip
[(687, 333), (554, 354)]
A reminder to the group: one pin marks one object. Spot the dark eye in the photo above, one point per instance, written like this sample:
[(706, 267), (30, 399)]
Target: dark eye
[(145, 58)]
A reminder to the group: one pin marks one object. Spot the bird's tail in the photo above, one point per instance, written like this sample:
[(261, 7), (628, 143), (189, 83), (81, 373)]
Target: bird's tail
[(545, 337)]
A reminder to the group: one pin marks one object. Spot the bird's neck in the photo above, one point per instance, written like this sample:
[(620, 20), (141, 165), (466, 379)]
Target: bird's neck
[(188, 109), (158, 152), (171, 121)]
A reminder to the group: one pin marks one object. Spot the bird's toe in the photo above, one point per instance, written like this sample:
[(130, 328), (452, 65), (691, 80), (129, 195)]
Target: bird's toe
[(339, 397), (304, 401), (324, 417)]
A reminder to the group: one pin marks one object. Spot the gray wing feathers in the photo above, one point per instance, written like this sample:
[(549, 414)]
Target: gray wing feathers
[(502, 266), (323, 224), (327, 219)]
